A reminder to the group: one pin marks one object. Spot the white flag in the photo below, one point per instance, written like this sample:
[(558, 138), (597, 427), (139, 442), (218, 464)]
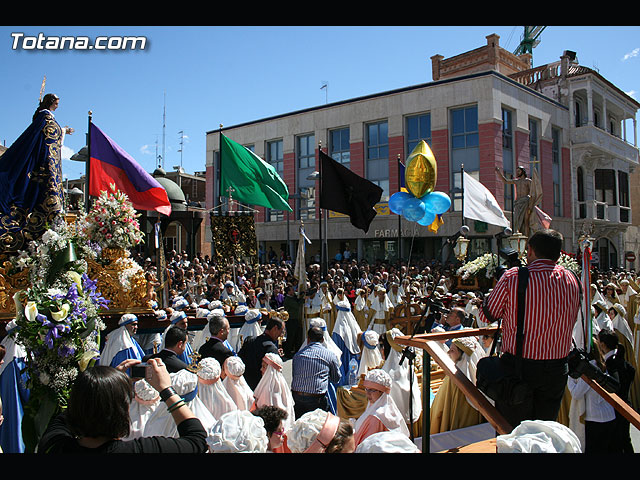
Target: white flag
[(300, 270), (480, 204)]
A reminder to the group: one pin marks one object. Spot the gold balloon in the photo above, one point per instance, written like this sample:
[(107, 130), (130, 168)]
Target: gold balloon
[(421, 172)]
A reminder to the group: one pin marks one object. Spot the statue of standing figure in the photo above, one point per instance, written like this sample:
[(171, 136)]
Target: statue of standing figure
[(522, 205)]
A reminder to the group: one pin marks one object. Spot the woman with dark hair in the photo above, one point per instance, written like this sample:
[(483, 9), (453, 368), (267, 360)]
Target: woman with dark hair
[(273, 418), (97, 417)]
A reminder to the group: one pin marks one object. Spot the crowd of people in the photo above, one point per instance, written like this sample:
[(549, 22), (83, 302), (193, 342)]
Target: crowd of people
[(350, 390)]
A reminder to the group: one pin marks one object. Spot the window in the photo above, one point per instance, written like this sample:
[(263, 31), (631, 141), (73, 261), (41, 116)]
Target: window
[(418, 128), (464, 128), (557, 171), (340, 149), (275, 156), (306, 203), (582, 207), (377, 161), (276, 159), (534, 145), (623, 195), (507, 156), (305, 151), (605, 185), (464, 148), (306, 158)]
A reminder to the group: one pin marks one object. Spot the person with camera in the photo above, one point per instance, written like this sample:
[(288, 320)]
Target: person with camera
[(551, 304), (599, 415), (614, 360), (97, 417)]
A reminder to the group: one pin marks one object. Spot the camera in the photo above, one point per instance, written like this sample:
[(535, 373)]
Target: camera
[(139, 370), (579, 365)]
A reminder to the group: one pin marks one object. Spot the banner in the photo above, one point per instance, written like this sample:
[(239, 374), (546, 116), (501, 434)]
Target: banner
[(234, 237)]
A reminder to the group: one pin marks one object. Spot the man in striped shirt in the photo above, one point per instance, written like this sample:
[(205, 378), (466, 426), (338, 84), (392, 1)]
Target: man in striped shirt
[(312, 368), (552, 301)]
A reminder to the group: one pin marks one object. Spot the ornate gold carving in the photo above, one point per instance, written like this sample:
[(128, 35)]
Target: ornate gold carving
[(109, 273), (10, 283)]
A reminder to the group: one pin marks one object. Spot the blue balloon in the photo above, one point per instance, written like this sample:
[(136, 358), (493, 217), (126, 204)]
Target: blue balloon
[(413, 209), (397, 202), (428, 218), (437, 202)]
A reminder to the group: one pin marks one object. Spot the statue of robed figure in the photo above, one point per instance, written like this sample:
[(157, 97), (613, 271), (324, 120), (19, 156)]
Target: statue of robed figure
[(31, 187)]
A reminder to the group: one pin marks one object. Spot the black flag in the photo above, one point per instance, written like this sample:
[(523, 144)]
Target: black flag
[(345, 192)]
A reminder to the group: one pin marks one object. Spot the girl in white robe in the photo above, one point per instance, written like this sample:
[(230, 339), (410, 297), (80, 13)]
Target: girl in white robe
[(211, 390), (273, 389), (399, 374), (144, 403), (161, 423), (235, 383), (381, 415)]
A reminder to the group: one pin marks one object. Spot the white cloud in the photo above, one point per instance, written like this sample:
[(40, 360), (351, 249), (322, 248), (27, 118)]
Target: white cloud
[(631, 93), (66, 153), (631, 54), (145, 150)]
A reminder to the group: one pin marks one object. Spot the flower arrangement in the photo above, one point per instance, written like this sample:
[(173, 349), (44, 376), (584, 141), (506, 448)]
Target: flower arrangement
[(569, 262), (57, 319), (112, 221), (485, 264)]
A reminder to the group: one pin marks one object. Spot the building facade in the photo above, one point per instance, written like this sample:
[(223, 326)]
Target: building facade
[(484, 109)]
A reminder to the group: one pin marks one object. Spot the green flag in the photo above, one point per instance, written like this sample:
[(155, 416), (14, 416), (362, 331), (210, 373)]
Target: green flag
[(253, 180)]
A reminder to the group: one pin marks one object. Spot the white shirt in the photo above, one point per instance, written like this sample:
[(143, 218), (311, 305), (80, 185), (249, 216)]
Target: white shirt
[(597, 408)]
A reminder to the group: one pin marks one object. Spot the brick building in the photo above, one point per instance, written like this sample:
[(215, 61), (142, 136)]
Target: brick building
[(485, 108)]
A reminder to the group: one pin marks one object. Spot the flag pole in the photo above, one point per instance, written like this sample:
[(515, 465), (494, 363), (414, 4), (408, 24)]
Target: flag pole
[(87, 166), (219, 168), (462, 190), (323, 269), (399, 218)]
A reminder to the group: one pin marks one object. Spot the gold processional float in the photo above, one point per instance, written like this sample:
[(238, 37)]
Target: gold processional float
[(120, 279)]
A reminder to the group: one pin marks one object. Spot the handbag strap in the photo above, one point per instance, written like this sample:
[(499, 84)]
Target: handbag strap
[(523, 281)]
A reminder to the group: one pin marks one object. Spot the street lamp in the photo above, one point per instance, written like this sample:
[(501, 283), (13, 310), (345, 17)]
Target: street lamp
[(462, 244), (518, 242)]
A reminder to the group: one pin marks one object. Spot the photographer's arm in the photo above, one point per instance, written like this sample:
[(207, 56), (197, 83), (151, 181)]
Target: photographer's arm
[(159, 378)]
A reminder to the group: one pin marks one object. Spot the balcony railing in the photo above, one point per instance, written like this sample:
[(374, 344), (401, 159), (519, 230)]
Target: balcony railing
[(588, 135), (601, 211)]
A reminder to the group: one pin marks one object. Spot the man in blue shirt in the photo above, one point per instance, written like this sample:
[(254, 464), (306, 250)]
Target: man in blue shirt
[(312, 368)]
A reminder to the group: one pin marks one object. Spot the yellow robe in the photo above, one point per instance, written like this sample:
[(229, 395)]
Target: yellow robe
[(451, 411)]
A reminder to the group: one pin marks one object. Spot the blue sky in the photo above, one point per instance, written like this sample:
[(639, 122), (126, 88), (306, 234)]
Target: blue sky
[(224, 74)]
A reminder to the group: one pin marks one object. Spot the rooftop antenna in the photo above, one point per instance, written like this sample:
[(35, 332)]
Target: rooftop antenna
[(325, 85), (164, 124), (158, 157), (181, 132)]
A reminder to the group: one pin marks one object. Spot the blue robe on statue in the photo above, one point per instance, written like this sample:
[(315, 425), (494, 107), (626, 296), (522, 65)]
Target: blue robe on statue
[(31, 188), (14, 395)]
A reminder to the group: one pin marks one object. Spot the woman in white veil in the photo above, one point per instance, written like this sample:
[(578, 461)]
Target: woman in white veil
[(161, 423), (235, 383), (144, 403), (382, 413), (399, 374), (211, 390), (371, 357), (345, 335), (273, 388)]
